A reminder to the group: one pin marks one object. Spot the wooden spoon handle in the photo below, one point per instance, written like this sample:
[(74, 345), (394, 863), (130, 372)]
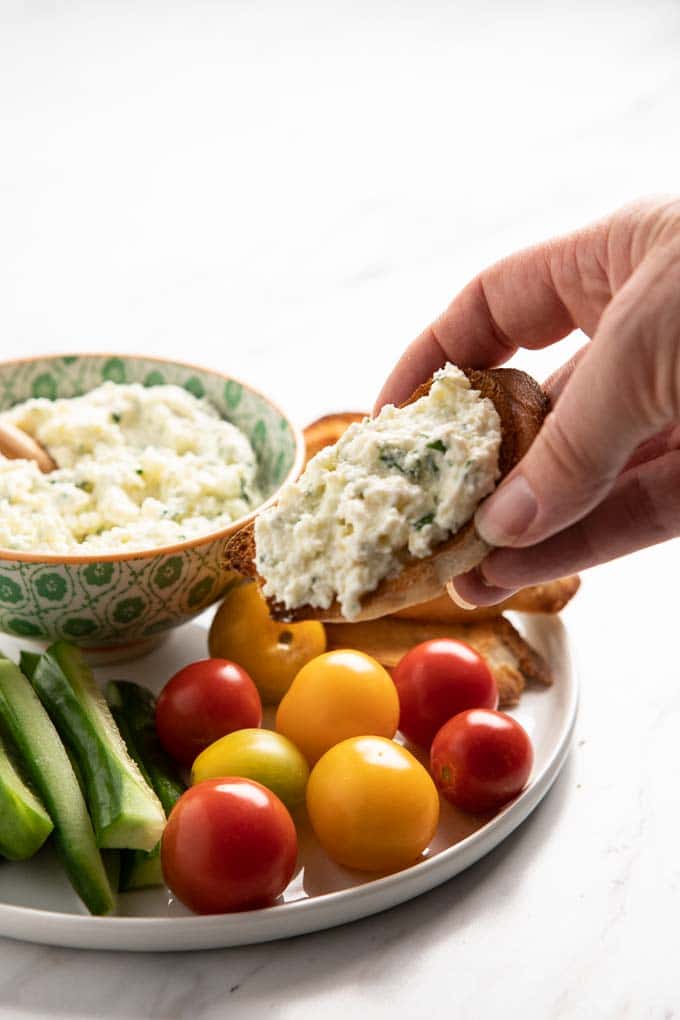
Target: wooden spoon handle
[(16, 444)]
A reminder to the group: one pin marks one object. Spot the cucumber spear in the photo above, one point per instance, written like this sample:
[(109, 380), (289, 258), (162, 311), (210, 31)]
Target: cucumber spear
[(125, 810), (134, 709), (24, 822), (46, 762)]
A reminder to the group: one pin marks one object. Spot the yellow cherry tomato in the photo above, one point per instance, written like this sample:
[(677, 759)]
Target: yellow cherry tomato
[(271, 653), (340, 694), (267, 757), (372, 805)]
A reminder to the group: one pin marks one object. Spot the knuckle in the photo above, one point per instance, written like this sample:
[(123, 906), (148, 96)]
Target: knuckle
[(648, 340), (503, 340)]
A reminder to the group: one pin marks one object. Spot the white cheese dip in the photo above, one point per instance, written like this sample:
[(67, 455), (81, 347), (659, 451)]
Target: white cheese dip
[(397, 484), (138, 468)]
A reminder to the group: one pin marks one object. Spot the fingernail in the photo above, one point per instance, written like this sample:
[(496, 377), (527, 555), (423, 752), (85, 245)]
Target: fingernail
[(455, 597), (508, 513)]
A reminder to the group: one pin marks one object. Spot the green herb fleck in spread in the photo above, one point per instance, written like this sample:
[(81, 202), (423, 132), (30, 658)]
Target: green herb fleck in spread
[(427, 519)]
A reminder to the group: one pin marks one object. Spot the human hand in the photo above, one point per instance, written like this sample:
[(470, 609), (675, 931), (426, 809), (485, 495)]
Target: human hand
[(602, 478)]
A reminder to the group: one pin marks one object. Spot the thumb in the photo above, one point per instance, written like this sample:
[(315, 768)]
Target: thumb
[(617, 397)]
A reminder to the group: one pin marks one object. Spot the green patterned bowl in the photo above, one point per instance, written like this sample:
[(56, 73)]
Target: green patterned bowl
[(120, 605)]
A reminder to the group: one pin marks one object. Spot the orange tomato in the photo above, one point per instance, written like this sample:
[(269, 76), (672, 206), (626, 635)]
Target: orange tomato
[(372, 804), (270, 652), (340, 694)]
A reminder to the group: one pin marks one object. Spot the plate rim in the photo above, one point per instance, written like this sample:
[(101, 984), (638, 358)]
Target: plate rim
[(86, 931)]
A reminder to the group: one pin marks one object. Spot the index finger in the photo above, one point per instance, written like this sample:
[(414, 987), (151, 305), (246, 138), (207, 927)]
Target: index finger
[(530, 299)]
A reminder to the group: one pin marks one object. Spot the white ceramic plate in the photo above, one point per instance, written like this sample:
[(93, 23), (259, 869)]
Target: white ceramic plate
[(38, 905)]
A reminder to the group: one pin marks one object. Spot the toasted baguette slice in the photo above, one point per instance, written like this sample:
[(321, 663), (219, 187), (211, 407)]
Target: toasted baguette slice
[(550, 597), (521, 405), (510, 658)]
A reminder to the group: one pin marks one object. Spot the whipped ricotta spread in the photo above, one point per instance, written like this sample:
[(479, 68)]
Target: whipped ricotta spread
[(138, 468), (392, 486)]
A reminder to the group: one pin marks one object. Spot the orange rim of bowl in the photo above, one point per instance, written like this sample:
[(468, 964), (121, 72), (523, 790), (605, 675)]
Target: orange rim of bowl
[(191, 543)]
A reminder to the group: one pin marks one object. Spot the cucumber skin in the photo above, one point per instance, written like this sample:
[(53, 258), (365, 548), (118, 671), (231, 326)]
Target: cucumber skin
[(125, 811), (47, 764), (24, 822), (134, 709), (111, 859), (28, 662), (140, 869), (64, 709)]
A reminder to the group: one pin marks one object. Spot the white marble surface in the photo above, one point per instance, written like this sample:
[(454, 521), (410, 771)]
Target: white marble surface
[(291, 191)]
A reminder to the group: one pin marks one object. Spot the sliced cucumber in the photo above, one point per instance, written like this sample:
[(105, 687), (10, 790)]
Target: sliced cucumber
[(140, 869), (24, 822), (46, 763), (112, 860), (125, 810), (134, 709), (28, 661)]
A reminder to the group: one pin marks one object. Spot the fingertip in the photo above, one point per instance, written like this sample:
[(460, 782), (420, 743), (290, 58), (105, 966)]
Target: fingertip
[(417, 364), (388, 395), (470, 590), (457, 598), (383, 398), (506, 516)]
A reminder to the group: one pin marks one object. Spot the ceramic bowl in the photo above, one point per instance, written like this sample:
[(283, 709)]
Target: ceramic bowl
[(121, 604)]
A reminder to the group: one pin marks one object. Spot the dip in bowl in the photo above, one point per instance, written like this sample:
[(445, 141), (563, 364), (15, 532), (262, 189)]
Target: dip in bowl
[(108, 593)]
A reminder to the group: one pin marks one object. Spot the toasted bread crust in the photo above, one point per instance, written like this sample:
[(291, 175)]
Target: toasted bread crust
[(521, 405)]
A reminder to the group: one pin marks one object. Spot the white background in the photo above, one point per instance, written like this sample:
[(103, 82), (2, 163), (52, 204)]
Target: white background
[(290, 192)]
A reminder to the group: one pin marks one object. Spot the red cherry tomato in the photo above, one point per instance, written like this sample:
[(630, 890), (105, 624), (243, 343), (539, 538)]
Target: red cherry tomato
[(229, 844), (436, 680), (202, 703), (481, 759)]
